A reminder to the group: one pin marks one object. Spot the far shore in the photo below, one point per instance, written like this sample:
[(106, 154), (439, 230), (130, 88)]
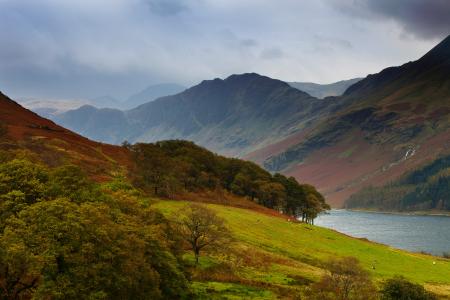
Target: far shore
[(436, 213)]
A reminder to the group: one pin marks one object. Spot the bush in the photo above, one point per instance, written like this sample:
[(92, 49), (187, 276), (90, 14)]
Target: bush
[(346, 280), (399, 288)]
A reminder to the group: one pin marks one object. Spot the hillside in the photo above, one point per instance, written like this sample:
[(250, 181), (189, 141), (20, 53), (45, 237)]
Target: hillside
[(382, 126), (324, 90), (54, 144), (281, 256), (427, 188)]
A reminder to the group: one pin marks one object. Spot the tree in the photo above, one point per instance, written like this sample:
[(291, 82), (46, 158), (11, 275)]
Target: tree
[(272, 195), (201, 229), (399, 288), (58, 249), (346, 280), (314, 204)]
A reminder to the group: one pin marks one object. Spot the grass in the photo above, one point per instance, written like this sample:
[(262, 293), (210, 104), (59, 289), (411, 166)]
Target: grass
[(280, 255)]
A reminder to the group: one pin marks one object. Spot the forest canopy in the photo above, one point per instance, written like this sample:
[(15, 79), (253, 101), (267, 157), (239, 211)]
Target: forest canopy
[(63, 236), (172, 167), (423, 189)]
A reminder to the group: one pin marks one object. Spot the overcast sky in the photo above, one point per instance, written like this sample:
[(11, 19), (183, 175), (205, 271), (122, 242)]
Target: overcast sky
[(87, 48)]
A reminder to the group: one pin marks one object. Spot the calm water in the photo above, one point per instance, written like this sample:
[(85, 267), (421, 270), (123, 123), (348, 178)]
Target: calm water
[(413, 233)]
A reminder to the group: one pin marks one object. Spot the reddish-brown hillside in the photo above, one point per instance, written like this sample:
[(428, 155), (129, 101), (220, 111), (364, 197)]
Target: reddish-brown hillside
[(384, 125), (54, 144)]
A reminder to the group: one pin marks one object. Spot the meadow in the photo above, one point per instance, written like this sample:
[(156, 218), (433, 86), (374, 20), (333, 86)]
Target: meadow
[(273, 256)]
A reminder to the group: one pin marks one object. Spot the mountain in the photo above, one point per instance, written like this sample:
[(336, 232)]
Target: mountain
[(426, 188), (50, 108), (382, 126), (324, 90), (151, 93), (232, 116), (105, 102)]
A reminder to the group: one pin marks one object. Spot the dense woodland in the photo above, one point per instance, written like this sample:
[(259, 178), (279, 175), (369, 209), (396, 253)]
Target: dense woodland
[(172, 167), (63, 236), (423, 189)]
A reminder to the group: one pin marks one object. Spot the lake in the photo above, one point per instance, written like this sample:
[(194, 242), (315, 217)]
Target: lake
[(409, 232)]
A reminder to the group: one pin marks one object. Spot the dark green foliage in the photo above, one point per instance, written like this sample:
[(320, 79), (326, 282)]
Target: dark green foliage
[(399, 288), (171, 167), (64, 237), (422, 189)]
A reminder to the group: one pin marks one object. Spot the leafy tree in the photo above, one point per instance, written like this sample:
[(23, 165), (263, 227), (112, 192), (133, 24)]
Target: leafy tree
[(346, 280), (399, 288), (201, 229), (272, 195), (78, 251), (71, 182), (24, 176)]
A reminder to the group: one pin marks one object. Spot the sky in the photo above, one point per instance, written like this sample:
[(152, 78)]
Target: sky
[(81, 49)]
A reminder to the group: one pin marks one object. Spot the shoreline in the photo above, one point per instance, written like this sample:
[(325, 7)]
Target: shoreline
[(400, 213)]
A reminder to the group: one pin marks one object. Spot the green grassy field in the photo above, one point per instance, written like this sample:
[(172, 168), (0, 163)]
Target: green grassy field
[(277, 258)]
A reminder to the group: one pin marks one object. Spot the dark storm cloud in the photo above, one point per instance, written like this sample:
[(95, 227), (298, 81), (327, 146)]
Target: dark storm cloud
[(427, 19)]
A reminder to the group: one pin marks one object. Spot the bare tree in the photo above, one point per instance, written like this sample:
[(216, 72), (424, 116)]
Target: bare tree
[(202, 229), (346, 280)]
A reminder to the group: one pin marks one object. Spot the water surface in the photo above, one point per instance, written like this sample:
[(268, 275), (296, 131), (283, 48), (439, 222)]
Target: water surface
[(413, 233)]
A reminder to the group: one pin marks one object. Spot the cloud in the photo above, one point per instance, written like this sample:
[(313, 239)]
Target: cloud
[(426, 19), (167, 7), (90, 48), (272, 53)]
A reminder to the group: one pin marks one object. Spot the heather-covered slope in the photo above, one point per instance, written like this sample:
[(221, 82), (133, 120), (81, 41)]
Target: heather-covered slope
[(23, 129), (382, 126)]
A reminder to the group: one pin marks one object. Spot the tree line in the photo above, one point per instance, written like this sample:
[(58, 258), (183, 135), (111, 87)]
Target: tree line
[(171, 167), (425, 188)]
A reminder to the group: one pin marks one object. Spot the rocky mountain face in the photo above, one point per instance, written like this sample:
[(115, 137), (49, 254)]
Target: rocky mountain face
[(232, 116)]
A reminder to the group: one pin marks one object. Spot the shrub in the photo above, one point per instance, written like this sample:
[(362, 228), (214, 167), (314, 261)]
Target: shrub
[(346, 280), (399, 288)]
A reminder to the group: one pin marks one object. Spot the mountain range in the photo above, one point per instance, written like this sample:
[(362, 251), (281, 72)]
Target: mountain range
[(324, 90), (382, 126)]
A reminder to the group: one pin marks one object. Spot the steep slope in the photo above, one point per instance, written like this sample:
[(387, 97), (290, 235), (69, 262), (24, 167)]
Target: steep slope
[(23, 129), (279, 253), (382, 126), (233, 116), (324, 90), (427, 188)]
